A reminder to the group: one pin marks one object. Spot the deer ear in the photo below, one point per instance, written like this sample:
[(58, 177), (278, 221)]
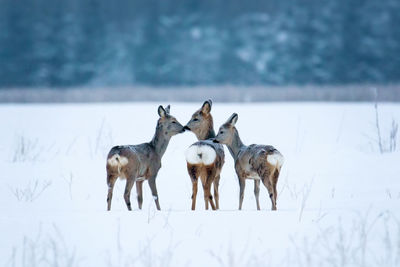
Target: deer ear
[(167, 109), (206, 108), (233, 119), (161, 112)]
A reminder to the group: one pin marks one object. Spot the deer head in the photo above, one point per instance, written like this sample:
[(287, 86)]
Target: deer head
[(201, 123), (168, 123), (227, 131)]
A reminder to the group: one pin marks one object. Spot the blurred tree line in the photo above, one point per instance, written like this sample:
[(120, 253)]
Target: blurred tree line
[(48, 43)]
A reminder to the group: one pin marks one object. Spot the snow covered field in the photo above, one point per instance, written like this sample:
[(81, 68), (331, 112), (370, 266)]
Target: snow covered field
[(338, 197)]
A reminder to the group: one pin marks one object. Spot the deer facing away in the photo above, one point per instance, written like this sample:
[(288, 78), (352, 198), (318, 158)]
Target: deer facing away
[(137, 163), (204, 158), (257, 162)]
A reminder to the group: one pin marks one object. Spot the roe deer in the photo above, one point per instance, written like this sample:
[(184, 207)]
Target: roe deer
[(258, 162), (204, 158), (137, 163)]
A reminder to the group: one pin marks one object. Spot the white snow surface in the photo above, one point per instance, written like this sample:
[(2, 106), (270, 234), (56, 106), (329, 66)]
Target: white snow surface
[(338, 197)]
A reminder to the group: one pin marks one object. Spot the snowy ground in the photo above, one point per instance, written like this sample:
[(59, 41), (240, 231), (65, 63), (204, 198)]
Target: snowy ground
[(338, 197)]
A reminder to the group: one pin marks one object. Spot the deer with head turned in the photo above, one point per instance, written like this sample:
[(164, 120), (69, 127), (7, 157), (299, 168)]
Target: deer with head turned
[(204, 158), (137, 163), (257, 162)]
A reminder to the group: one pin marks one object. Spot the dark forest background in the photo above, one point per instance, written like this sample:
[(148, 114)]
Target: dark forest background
[(50, 43)]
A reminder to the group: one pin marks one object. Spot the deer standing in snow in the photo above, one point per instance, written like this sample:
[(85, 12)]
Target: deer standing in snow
[(257, 162), (204, 158), (137, 163)]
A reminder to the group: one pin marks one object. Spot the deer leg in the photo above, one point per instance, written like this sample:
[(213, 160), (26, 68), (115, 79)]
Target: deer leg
[(127, 194), (242, 184), (210, 197), (192, 170), (153, 188), (203, 182), (257, 192), (216, 192), (274, 182), (268, 185), (194, 194), (207, 195), (111, 179), (208, 179), (139, 191)]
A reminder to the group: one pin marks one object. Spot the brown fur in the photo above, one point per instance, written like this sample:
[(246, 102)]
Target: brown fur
[(251, 162), (201, 124), (137, 163), (208, 174)]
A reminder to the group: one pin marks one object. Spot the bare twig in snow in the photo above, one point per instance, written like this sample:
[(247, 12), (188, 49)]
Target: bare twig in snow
[(378, 128), (31, 191), (69, 181), (26, 150), (305, 194), (393, 136)]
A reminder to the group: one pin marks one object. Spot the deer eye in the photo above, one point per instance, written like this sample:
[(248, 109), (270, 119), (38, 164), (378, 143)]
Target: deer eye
[(195, 119), (174, 122), (221, 132)]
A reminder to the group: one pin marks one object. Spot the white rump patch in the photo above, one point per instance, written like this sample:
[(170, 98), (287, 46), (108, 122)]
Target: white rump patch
[(200, 155), (117, 160), (275, 159)]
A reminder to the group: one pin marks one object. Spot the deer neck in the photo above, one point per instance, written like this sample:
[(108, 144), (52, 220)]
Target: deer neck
[(160, 141), (207, 132), (235, 145), (206, 135)]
